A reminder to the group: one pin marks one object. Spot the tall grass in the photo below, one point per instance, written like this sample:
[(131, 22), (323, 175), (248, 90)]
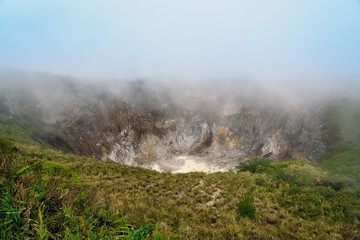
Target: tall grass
[(41, 200)]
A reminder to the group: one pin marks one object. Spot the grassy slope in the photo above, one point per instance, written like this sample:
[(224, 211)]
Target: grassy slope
[(343, 129), (9, 130), (56, 195)]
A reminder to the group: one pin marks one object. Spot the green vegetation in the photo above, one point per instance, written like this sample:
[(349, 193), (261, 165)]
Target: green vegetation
[(343, 133), (32, 133), (254, 165), (9, 130), (51, 194), (43, 200), (246, 206)]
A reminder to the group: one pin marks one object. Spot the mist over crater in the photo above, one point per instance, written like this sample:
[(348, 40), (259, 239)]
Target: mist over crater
[(188, 126)]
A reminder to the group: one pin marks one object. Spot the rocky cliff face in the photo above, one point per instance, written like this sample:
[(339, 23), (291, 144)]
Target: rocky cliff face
[(170, 129), (144, 139)]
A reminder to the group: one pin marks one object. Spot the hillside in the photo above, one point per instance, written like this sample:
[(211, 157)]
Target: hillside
[(342, 127), (51, 194)]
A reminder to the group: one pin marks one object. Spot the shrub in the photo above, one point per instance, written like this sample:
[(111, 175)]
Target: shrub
[(337, 182), (246, 206), (254, 165), (293, 176)]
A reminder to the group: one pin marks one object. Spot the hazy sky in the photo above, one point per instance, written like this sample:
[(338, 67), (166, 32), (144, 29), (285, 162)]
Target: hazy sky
[(257, 39)]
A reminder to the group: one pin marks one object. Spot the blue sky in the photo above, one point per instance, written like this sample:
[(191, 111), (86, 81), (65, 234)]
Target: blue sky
[(290, 40)]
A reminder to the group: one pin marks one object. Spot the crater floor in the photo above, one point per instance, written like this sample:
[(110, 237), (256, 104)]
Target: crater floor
[(186, 163)]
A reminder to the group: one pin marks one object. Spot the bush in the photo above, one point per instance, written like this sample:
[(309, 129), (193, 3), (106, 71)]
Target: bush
[(293, 176), (246, 206), (254, 165), (337, 182)]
